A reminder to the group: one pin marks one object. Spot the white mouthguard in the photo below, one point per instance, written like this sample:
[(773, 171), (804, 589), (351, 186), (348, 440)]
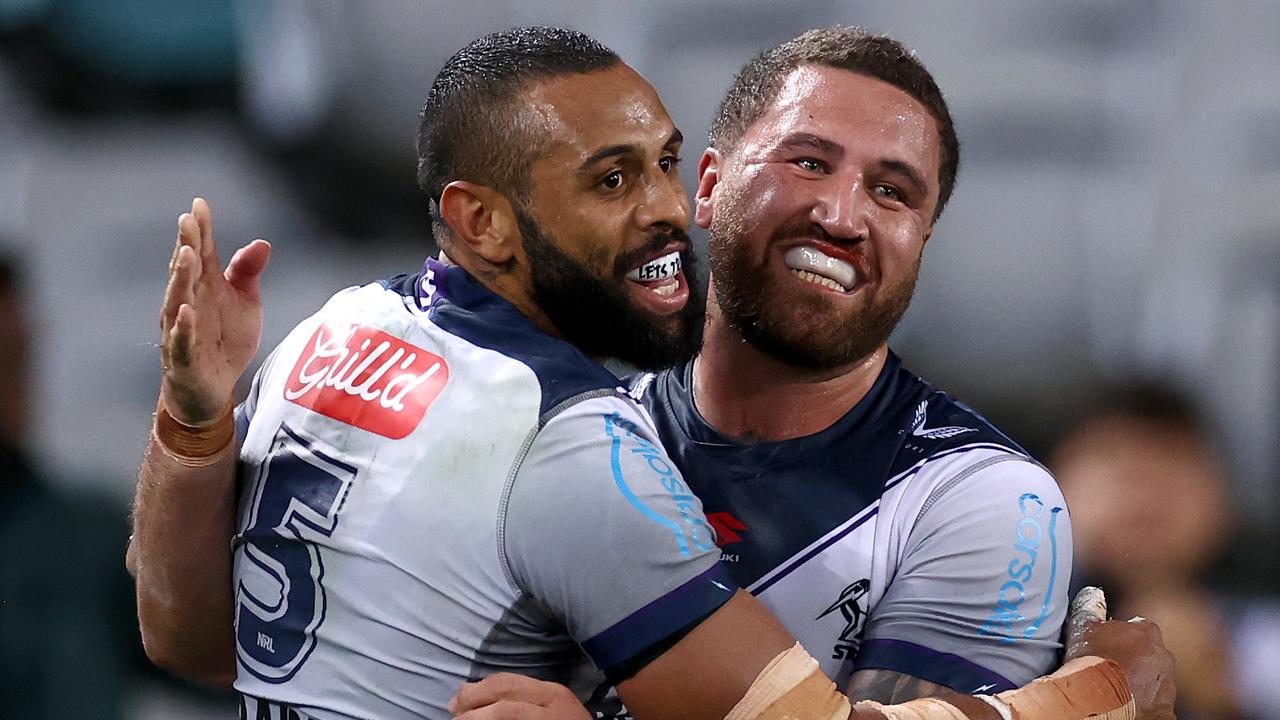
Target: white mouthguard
[(667, 266)]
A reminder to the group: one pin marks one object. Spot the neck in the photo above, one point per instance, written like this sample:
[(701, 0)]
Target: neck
[(506, 286), (749, 395)]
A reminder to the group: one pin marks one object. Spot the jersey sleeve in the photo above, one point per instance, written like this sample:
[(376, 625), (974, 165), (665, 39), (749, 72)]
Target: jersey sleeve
[(245, 410), (980, 596), (602, 532)]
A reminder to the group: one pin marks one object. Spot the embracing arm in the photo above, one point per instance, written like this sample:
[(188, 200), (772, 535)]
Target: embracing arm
[(726, 667), (1087, 687), (184, 502)]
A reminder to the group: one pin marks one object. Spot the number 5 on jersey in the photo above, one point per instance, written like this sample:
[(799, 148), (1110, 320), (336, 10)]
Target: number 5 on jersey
[(280, 597)]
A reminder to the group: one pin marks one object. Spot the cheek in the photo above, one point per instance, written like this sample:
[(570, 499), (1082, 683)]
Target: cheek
[(904, 240), (755, 194), (593, 243)]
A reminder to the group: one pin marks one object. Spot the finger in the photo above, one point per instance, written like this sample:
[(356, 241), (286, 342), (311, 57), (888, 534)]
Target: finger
[(177, 245), (503, 686), (178, 290), (181, 338), (246, 266), (204, 221), (189, 232), (1088, 608), (506, 710), (1090, 604)]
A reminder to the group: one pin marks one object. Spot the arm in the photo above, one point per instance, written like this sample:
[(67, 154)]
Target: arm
[(180, 555), (690, 677), (603, 536), (183, 511), (1134, 646)]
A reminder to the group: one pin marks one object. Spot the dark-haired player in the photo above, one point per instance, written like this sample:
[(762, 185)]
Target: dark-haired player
[(440, 482), (909, 545)]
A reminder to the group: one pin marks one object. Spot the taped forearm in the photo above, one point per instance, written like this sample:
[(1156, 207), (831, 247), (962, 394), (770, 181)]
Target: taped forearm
[(1087, 687), (791, 686)]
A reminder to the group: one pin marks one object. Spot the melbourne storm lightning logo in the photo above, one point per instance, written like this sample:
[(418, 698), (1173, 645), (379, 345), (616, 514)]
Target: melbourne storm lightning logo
[(852, 605)]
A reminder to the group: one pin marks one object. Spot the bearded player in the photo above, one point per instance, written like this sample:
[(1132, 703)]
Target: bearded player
[(369, 581), (911, 546)]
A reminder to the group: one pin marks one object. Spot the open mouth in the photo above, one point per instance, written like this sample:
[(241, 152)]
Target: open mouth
[(814, 266), (658, 284), (660, 275)]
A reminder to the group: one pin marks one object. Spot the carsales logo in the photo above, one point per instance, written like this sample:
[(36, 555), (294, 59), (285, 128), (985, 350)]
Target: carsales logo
[(362, 376)]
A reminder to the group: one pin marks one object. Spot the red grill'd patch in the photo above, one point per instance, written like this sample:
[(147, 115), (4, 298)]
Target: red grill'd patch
[(365, 377)]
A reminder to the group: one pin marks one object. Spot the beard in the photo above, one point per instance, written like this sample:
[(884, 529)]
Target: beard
[(596, 313), (802, 330)]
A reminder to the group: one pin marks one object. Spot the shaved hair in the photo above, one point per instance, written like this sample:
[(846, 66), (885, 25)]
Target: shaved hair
[(473, 125)]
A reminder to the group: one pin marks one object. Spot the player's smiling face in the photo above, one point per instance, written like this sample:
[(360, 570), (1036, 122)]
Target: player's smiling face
[(606, 223), (819, 217)]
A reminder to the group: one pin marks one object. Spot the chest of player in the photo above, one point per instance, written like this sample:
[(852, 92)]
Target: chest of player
[(803, 541)]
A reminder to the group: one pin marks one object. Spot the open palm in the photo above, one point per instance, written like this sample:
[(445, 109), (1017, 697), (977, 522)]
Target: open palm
[(211, 322)]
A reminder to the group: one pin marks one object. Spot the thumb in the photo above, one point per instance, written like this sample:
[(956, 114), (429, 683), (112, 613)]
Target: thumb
[(247, 265), (1088, 608)]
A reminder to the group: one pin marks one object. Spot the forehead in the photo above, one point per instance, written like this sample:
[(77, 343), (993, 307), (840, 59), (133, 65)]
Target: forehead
[(583, 112), (853, 110)]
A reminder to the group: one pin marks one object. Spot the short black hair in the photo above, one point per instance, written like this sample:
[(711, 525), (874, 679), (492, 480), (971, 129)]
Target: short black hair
[(472, 126), (846, 48)]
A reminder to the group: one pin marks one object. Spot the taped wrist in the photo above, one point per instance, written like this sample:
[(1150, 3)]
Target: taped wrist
[(791, 686), (1087, 687), (921, 709), (189, 445)]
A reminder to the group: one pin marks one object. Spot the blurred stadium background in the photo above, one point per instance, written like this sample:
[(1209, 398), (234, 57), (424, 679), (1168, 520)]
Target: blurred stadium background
[(1116, 217)]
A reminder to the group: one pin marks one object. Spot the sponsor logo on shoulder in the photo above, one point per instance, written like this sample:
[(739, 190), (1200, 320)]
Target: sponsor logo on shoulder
[(852, 605), (939, 433), (692, 527), (368, 378), (1007, 614)]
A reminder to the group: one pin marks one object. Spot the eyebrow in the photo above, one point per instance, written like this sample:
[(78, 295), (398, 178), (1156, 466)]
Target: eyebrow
[(909, 172), (801, 140), (804, 140), (626, 149)]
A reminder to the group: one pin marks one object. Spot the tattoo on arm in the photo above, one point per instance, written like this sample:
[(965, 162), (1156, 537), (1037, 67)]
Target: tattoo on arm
[(888, 687)]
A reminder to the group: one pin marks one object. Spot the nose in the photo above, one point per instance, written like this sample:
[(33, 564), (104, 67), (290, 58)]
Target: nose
[(664, 203), (841, 207)]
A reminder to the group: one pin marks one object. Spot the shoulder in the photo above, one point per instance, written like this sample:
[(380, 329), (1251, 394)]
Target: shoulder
[(937, 432), (954, 463), (937, 422), (600, 457), (563, 372)]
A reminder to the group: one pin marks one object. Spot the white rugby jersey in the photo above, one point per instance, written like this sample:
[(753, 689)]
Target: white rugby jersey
[(910, 536), (433, 490)]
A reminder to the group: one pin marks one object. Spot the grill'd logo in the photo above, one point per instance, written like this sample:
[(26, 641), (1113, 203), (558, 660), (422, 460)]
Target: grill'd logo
[(852, 606), (365, 377)]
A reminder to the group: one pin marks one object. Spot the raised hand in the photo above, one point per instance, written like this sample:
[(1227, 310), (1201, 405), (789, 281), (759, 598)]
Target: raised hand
[(1136, 646), (211, 322)]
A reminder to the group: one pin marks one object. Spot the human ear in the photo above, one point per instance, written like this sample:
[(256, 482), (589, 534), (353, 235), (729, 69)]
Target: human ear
[(708, 177), (482, 221)]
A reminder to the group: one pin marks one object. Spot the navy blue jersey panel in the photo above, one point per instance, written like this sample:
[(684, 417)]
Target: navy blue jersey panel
[(465, 308), (817, 482)]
